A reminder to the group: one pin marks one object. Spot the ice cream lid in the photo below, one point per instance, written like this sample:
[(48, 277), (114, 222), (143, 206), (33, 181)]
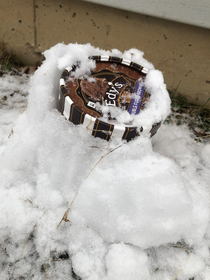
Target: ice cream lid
[(115, 82)]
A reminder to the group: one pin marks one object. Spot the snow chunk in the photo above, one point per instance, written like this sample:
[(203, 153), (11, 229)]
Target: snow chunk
[(142, 202), (126, 262)]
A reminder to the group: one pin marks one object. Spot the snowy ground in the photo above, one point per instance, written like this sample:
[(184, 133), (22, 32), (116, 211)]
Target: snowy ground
[(142, 213)]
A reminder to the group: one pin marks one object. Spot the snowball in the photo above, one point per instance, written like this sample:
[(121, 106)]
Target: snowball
[(147, 205)]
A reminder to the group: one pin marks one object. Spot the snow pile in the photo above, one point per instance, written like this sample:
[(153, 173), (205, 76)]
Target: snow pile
[(141, 212)]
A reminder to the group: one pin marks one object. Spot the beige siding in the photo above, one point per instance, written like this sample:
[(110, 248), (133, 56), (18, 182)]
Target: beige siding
[(180, 51), (187, 11)]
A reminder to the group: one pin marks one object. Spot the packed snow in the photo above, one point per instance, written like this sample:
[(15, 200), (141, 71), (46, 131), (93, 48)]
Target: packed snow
[(77, 207)]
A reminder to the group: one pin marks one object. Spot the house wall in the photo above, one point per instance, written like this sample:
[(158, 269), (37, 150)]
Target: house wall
[(180, 51), (186, 11)]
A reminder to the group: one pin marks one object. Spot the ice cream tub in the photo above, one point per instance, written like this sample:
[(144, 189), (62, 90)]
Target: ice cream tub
[(114, 83)]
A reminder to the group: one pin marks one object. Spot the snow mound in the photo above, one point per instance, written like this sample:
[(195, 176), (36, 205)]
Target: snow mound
[(134, 206)]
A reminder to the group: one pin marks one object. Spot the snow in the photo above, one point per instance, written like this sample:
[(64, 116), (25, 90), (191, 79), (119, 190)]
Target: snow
[(120, 205), (13, 95), (136, 210), (127, 263)]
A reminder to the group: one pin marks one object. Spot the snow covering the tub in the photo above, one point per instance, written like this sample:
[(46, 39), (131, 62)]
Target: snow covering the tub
[(143, 211)]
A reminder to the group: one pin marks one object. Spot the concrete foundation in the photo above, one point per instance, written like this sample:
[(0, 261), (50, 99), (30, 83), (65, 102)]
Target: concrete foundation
[(180, 51)]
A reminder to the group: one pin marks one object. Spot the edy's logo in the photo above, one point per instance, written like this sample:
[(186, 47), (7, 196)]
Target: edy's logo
[(116, 90), (111, 89)]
